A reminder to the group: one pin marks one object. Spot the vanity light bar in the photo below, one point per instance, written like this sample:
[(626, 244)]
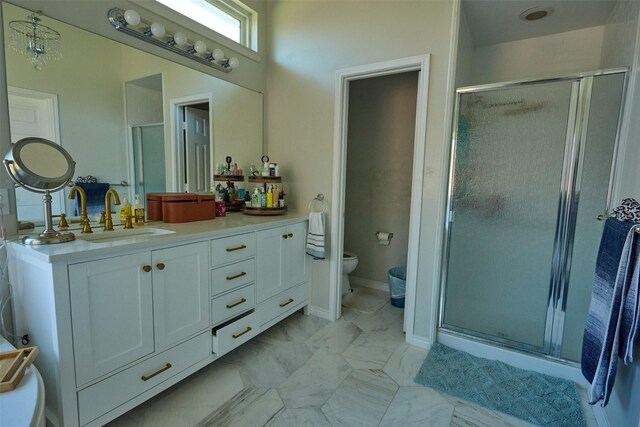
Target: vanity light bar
[(129, 22)]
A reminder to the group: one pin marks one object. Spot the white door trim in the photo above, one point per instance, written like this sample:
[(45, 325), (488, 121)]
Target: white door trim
[(343, 78), (174, 160)]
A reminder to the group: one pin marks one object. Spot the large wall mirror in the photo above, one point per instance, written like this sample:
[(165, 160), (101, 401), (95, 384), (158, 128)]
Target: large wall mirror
[(118, 112)]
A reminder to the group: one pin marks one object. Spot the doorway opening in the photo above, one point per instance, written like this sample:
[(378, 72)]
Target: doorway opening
[(192, 130), (420, 66)]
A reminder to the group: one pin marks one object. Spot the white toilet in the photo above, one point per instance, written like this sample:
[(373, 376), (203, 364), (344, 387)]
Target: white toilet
[(349, 263)]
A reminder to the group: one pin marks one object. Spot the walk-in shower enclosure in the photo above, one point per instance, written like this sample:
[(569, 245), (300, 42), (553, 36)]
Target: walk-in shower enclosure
[(531, 169)]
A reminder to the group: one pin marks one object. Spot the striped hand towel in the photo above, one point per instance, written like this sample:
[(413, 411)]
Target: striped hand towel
[(315, 236), (612, 319)]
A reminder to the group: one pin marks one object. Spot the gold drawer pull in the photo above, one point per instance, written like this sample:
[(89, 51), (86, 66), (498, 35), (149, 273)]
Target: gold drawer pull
[(236, 336), (284, 236), (242, 301), (284, 304), (290, 234), (236, 276), (160, 266), (237, 248), (159, 371), (146, 268)]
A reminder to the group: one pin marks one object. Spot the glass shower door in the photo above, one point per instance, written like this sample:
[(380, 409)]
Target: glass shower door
[(510, 151), (148, 159)]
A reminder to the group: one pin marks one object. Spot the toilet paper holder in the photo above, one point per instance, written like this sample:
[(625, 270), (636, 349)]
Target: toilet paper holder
[(382, 235)]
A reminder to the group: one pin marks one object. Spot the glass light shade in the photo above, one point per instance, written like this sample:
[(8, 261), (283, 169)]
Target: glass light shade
[(218, 54), (199, 46), (180, 38), (234, 62), (157, 29), (132, 17)]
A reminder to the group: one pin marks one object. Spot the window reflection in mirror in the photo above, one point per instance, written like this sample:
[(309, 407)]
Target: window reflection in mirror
[(86, 100)]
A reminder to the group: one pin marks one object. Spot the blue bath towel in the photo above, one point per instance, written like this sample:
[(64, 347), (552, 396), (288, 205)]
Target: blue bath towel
[(95, 197), (613, 309)]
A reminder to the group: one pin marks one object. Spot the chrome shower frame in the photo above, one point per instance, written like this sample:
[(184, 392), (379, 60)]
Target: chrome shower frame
[(566, 216)]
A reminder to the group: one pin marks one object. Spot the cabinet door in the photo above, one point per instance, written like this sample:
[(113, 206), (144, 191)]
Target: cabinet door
[(270, 262), (112, 314), (180, 292), (296, 262)]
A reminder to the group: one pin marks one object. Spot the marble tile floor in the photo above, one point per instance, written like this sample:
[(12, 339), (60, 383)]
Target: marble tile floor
[(306, 371)]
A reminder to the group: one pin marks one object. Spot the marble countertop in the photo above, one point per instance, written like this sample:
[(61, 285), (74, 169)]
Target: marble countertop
[(180, 233)]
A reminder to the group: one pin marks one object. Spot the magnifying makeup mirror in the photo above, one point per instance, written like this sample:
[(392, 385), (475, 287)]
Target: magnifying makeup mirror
[(41, 166)]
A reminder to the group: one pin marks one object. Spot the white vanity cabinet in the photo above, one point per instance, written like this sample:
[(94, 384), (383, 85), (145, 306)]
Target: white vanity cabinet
[(282, 272), (118, 323), (282, 261), (126, 307)]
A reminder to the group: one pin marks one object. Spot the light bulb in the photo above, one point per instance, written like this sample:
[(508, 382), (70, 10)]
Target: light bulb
[(132, 17), (199, 46), (234, 62), (218, 54), (180, 38), (157, 29)]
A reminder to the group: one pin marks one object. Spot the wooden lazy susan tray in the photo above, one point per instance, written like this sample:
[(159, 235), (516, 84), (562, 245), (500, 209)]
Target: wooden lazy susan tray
[(12, 366), (264, 211)]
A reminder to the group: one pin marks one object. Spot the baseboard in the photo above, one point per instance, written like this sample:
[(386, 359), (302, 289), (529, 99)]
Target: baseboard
[(366, 283), (319, 312), (601, 416), (419, 342)]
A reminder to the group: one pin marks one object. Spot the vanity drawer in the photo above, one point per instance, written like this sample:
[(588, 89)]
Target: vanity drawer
[(232, 248), (284, 303), (235, 333), (231, 276), (229, 305), (102, 397)]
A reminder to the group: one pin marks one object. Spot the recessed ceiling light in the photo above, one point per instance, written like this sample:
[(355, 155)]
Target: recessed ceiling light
[(536, 13)]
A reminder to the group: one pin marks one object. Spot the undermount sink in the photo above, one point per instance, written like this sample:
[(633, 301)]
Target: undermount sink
[(111, 236)]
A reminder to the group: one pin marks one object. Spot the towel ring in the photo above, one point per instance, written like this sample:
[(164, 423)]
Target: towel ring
[(318, 199)]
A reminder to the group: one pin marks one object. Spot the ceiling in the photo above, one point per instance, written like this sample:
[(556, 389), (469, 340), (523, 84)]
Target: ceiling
[(497, 21)]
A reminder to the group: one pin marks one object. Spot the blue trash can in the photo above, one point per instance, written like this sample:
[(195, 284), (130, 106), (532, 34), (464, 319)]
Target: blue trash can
[(397, 285)]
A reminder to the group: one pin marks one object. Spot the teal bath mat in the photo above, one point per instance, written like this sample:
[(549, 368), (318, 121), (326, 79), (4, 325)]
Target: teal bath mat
[(539, 399)]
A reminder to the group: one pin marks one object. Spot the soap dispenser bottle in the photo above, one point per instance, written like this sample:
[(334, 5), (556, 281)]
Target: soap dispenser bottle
[(138, 211), (125, 210)]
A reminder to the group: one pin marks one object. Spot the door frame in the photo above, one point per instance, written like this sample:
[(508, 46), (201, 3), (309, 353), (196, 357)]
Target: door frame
[(175, 159), (418, 63)]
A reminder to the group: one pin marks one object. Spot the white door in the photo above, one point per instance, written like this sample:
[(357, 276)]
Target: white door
[(34, 114), (180, 292), (196, 147)]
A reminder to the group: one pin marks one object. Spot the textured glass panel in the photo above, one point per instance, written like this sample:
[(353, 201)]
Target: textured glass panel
[(148, 150), (606, 99), (508, 167)]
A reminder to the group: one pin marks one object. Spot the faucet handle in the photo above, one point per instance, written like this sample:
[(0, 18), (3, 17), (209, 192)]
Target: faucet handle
[(103, 217), (62, 224), (86, 228), (128, 224)]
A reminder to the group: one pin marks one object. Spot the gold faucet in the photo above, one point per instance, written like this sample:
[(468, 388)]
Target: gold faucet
[(84, 219), (108, 222)]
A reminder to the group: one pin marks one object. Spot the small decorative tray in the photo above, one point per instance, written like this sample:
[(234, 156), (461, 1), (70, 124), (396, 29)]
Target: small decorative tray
[(264, 211), (12, 366)]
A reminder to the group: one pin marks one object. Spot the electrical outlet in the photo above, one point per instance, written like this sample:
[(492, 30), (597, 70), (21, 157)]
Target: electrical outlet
[(4, 201)]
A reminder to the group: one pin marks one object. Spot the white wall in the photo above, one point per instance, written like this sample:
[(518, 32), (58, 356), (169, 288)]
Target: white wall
[(308, 42), (464, 67), (381, 133), (621, 48), (546, 56)]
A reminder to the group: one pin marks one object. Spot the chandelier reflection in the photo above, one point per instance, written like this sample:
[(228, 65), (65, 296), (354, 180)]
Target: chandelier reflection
[(37, 42)]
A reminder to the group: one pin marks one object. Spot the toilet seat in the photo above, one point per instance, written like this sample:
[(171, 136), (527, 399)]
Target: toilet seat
[(346, 255)]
